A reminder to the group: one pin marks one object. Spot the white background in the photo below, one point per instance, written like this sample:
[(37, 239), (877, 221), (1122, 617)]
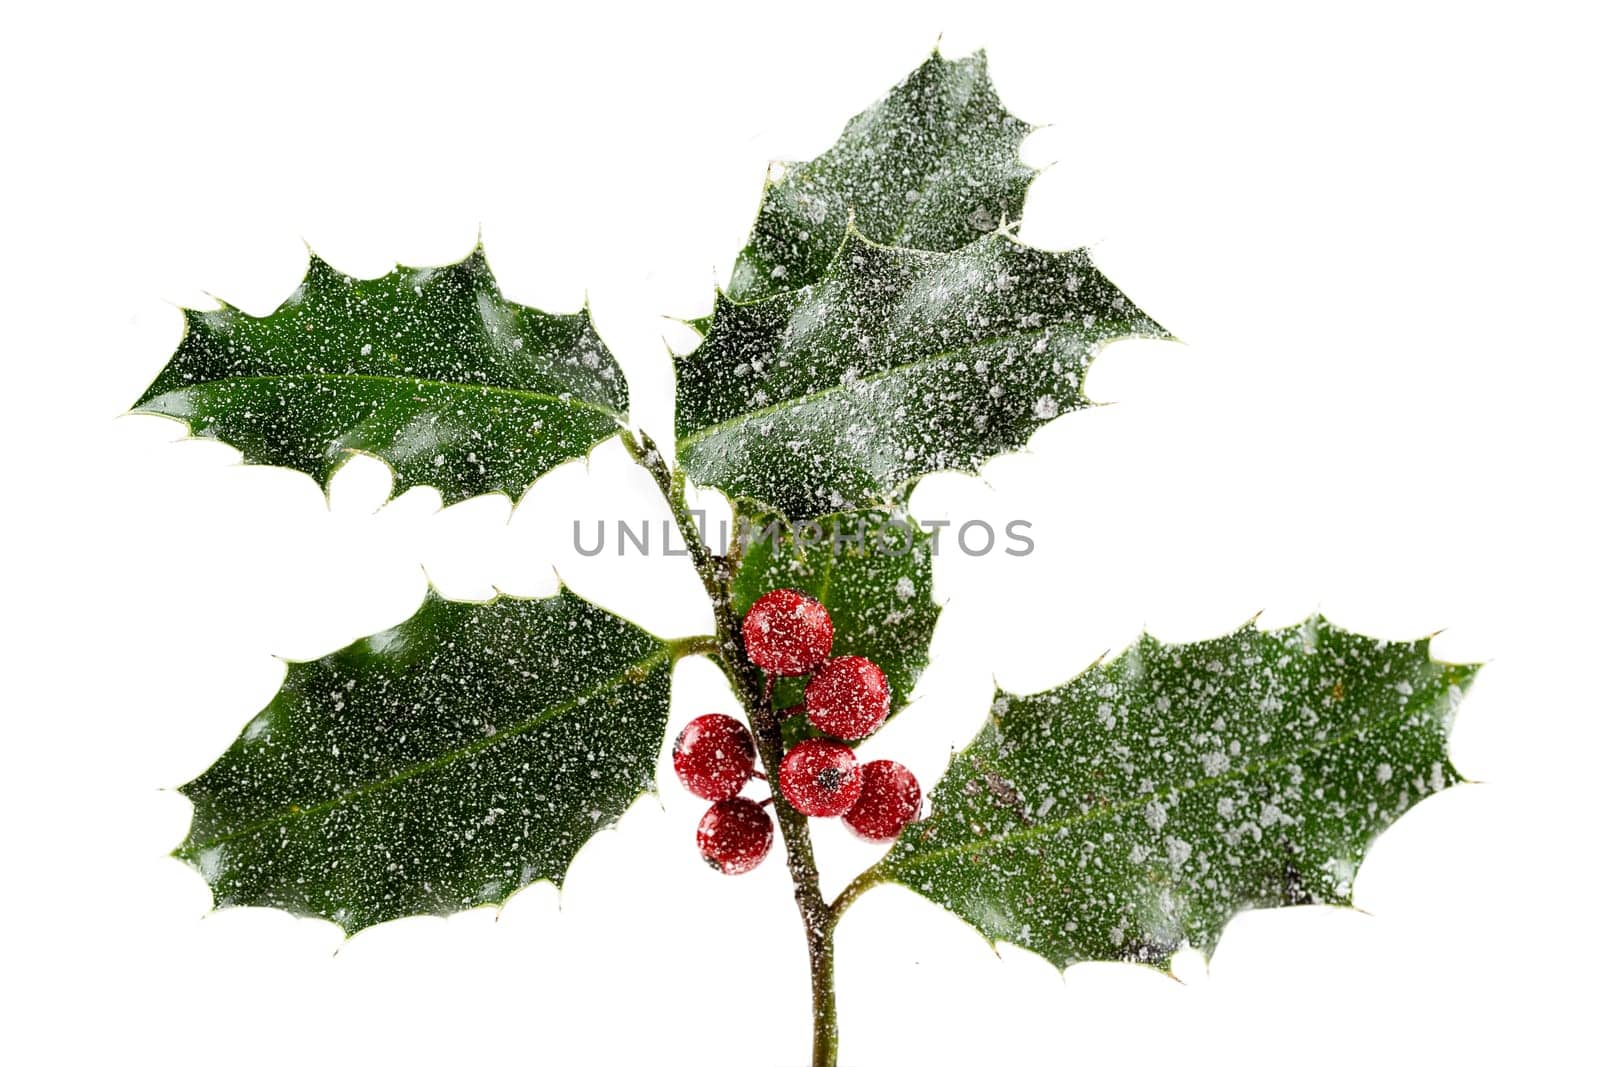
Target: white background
[(1373, 226)]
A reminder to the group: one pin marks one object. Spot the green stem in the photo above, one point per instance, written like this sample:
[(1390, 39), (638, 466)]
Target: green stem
[(705, 645), (716, 574), (824, 1016), (852, 892)]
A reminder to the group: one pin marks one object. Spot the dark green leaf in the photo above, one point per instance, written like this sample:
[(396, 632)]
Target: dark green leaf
[(892, 365), (1138, 807), (439, 765), (429, 369), (874, 573), (932, 165)]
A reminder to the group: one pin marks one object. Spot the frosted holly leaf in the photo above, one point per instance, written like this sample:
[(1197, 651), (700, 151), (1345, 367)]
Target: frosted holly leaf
[(436, 766), (428, 368), (873, 571), (893, 364), (934, 165), (1137, 808)]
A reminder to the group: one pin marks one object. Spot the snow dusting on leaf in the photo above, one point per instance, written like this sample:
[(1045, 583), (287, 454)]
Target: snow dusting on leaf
[(891, 365), (932, 165), (429, 369), (1137, 808), (436, 766)]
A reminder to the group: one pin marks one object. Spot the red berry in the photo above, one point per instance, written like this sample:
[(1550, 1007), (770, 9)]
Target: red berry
[(787, 632), (820, 777), (714, 756), (734, 835), (848, 697), (890, 798)]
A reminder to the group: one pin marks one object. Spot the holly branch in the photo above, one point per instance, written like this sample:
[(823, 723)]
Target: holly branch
[(882, 323)]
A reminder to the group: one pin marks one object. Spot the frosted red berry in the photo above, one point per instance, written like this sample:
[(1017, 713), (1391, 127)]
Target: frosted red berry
[(848, 697), (890, 798), (820, 778), (714, 756), (787, 633), (734, 835)]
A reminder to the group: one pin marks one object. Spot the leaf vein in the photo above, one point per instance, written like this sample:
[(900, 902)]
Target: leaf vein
[(521, 394), (1043, 829), (444, 759), (805, 398)]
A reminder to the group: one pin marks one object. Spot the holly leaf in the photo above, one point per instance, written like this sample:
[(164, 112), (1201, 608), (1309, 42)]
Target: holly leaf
[(429, 369), (436, 766), (1141, 805), (893, 364), (933, 165), (873, 571)]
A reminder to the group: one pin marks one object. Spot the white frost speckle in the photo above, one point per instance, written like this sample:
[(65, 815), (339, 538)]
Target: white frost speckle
[(1271, 815), (210, 862)]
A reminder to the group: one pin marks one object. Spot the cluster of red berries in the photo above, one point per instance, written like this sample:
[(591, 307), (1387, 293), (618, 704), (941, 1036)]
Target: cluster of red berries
[(789, 634)]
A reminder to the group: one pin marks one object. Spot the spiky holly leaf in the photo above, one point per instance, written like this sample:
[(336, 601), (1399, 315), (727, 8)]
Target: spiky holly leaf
[(932, 165), (892, 365), (1141, 805), (874, 573), (439, 765), (428, 368)]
